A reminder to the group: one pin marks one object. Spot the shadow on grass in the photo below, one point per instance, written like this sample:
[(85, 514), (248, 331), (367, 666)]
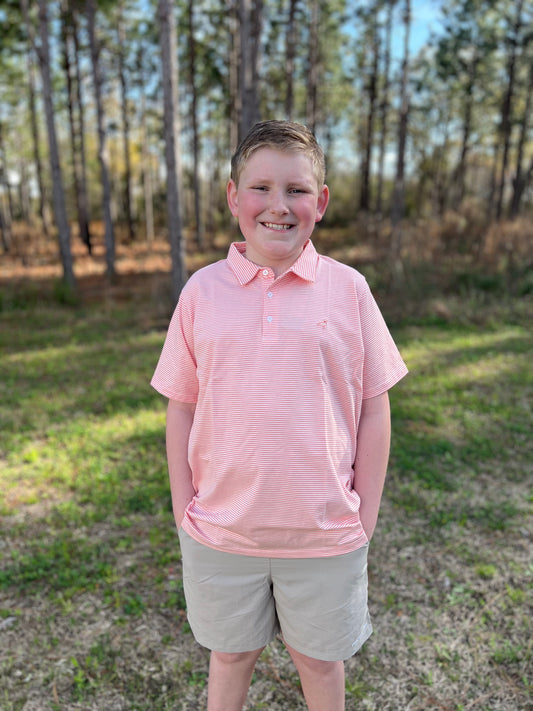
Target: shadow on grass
[(81, 426), (102, 369), (461, 426), (74, 546)]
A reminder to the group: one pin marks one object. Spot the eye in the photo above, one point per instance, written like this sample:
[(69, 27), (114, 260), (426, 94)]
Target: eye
[(297, 191)]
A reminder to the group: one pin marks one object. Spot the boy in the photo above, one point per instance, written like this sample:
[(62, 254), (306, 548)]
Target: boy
[(277, 364)]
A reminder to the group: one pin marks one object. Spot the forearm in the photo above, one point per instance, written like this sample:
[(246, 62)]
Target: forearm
[(372, 456), (180, 417)]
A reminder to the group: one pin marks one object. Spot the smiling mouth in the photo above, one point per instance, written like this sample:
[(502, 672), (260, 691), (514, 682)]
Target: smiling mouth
[(278, 228)]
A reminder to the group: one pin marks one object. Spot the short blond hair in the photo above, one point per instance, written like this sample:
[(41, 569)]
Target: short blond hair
[(280, 136)]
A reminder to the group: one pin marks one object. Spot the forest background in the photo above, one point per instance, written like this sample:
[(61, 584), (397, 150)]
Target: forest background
[(125, 114), (117, 121)]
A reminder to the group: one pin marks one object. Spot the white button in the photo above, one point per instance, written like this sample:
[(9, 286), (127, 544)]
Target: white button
[(270, 294), (269, 319), (265, 272)]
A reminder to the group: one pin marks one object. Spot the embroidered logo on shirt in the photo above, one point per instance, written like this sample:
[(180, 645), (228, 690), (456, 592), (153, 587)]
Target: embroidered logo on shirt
[(322, 323)]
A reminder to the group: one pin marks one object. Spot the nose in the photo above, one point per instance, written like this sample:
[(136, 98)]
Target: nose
[(277, 204)]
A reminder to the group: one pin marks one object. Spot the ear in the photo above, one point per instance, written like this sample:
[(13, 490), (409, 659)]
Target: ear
[(322, 203), (231, 194)]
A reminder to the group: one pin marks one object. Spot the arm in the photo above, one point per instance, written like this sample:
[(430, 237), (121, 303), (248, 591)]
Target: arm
[(180, 416), (372, 456)]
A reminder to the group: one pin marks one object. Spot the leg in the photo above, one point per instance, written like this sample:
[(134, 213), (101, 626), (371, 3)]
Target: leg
[(229, 679), (322, 682)]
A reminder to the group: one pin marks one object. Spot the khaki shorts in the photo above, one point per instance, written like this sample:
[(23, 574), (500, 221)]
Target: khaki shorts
[(239, 603)]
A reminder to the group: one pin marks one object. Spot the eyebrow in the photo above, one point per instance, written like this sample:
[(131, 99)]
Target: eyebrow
[(296, 183)]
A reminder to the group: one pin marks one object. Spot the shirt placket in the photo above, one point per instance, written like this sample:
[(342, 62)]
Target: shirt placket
[(270, 306)]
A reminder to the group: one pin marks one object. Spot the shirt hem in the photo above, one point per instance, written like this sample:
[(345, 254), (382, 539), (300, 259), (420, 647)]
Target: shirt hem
[(326, 551), (380, 389), (172, 396)]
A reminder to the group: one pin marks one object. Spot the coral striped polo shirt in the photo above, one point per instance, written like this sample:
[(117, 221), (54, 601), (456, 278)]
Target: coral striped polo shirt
[(278, 369)]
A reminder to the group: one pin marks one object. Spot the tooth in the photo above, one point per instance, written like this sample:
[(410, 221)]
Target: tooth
[(273, 226)]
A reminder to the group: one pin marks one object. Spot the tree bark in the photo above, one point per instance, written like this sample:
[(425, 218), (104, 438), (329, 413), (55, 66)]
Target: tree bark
[(125, 122), (313, 67), (5, 228), (398, 199), (521, 177), (81, 202), (60, 210), (250, 17), (197, 186), (169, 66), (24, 183), (84, 196), (290, 54), (5, 207), (235, 99), (102, 149), (365, 194), (459, 174), (146, 167), (43, 203), (384, 106), (507, 106)]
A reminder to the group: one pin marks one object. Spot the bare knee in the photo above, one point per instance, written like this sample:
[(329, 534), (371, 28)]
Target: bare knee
[(322, 682), (236, 658), (317, 667), (322, 668), (230, 675)]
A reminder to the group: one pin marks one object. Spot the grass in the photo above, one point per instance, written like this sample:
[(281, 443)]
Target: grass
[(90, 578), (465, 414), (78, 418)]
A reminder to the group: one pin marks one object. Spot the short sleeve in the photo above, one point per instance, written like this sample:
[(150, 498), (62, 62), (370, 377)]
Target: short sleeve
[(175, 376), (383, 365)]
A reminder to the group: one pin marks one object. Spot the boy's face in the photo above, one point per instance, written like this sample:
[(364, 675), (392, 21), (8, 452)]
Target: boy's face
[(277, 203)]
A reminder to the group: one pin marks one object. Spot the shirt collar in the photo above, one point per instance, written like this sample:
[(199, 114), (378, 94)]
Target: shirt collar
[(304, 267)]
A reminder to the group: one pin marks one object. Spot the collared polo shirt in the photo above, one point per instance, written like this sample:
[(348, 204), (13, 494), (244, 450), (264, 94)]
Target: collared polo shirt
[(278, 369)]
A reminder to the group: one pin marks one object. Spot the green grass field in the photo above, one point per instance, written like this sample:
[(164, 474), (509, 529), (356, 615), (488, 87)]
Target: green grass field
[(91, 605)]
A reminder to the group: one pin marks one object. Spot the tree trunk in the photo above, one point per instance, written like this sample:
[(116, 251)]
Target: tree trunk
[(102, 150), (146, 167), (169, 66), (43, 203), (197, 187), (60, 210), (5, 209), (148, 191), (5, 228), (506, 117), (235, 99), (84, 196), (24, 184), (250, 16), (521, 178), (313, 67), (441, 182), (125, 122), (496, 149), (459, 174), (398, 200), (384, 106), (290, 54), (364, 197), (81, 206)]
